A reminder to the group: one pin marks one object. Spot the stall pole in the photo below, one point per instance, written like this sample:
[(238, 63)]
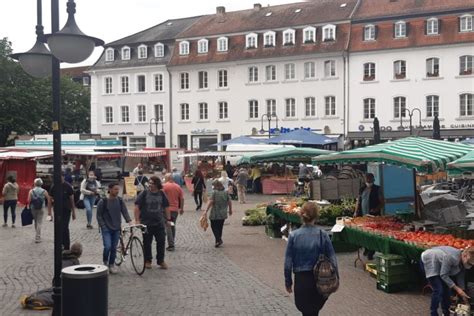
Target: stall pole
[(416, 193)]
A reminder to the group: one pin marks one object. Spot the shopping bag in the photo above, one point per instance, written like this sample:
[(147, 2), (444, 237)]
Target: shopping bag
[(203, 222), (80, 204), (26, 217)]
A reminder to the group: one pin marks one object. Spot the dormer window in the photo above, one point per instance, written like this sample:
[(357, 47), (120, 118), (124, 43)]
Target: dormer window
[(309, 35), (289, 37), (465, 23), (109, 54), (369, 32), (159, 50), (400, 29), (222, 44), (126, 53), (269, 39), (251, 40), (432, 26), (184, 48), (142, 53), (203, 46), (329, 33)]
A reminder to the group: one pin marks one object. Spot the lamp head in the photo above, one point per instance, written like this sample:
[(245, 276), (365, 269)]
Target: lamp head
[(262, 131), (36, 62)]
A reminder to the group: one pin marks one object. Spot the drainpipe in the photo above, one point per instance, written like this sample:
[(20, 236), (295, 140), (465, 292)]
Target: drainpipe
[(170, 107), (346, 93)]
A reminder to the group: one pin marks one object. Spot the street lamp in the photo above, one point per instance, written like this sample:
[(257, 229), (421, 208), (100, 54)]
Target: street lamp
[(410, 115), (70, 45), (162, 133), (269, 116)]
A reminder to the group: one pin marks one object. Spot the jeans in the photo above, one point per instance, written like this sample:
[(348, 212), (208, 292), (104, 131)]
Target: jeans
[(12, 205), (66, 219), (198, 199), (89, 201), (38, 217), (257, 185), (241, 192), (171, 230), (110, 239), (157, 231), (217, 226), (441, 294)]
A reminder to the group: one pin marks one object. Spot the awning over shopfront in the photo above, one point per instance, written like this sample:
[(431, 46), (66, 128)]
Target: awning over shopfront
[(302, 137), (288, 154), (217, 154), (462, 164), (30, 155), (243, 140), (94, 154), (424, 154), (145, 153)]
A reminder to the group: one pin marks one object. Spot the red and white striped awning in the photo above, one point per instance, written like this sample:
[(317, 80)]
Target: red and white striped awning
[(145, 153)]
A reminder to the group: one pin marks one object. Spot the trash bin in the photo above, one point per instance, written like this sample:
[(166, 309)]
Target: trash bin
[(85, 290)]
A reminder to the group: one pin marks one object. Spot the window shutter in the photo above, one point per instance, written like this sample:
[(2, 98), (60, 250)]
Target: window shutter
[(394, 27), (407, 28), (459, 24), (376, 31), (363, 33), (439, 26), (426, 27)]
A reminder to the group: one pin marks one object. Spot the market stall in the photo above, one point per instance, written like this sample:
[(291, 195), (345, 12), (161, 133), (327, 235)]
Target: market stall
[(302, 137), (151, 158), (464, 164)]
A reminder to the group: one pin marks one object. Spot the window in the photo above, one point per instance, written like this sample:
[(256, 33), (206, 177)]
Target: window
[(330, 106), (109, 115), (290, 107), (269, 39), (432, 26), (159, 50), (369, 32), (465, 23), (222, 74), (141, 113), (126, 53), (108, 85), (309, 35), (253, 109), (309, 70), (222, 44), (125, 114), (369, 108), (289, 37), (465, 65), (184, 111), (432, 106), (142, 52), (184, 81), (400, 29), (399, 69), (369, 71), (271, 107), (465, 104), (85, 81), (399, 107), (432, 67), (251, 40), (223, 111), (310, 107), (329, 68), (329, 33), (270, 73), (125, 84), (141, 83), (253, 74), (203, 46), (203, 111), (159, 114), (202, 78), (109, 54), (184, 48), (158, 82), (290, 72)]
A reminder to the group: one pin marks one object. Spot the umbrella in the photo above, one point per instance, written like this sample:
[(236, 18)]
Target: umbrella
[(468, 141), (286, 154), (243, 140), (302, 137), (436, 128), (462, 164), (376, 131)]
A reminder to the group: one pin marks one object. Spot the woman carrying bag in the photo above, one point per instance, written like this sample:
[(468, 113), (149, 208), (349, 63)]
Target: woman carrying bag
[(89, 191), (10, 195), (37, 197), (219, 203)]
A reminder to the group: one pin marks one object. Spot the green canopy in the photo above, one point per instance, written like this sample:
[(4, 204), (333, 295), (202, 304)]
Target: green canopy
[(462, 164), (288, 154), (424, 154)]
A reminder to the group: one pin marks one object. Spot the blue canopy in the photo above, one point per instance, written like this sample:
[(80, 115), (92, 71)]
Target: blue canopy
[(242, 140), (302, 137), (468, 141)]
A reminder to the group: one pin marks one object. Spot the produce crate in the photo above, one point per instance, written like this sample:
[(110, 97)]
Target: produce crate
[(389, 260), (394, 270), (392, 288), (394, 278), (371, 268)]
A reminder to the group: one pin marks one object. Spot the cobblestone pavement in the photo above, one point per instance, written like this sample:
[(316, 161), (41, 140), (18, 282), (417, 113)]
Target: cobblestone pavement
[(242, 278)]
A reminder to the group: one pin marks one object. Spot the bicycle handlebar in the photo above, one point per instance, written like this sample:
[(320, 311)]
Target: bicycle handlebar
[(131, 227)]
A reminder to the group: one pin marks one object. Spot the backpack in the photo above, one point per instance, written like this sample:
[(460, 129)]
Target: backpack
[(325, 274), (140, 187), (40, 300), (37, 201)]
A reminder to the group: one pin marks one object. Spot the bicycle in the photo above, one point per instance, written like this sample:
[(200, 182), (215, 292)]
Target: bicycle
[(134, 245)]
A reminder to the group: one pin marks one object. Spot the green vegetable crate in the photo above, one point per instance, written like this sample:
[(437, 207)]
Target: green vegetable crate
[(393, 273), (392, 288)]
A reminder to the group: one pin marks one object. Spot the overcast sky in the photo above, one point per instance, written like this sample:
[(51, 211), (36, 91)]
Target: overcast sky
[(108, 20)]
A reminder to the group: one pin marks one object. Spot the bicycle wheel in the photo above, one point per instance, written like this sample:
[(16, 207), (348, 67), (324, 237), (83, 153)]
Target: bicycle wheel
[(137, 255), (120, 253)]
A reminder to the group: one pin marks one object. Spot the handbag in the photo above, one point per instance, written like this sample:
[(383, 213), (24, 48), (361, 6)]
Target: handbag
[(325, 274), (26, 217), (80, 204)]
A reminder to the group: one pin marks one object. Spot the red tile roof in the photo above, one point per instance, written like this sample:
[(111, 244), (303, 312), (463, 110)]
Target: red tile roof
[(74, 71)]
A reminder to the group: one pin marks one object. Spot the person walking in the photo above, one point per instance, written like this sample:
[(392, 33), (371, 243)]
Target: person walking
[(175, 197), (36, 200), (229, 169), (89, 189), (137, 168), (255, 175), (109, 217), (141, 182), (199, 186), (68, 210), (218, 204), (10, 196), (302, 253), (242, 180), (177, 177), (152, 210), (225, 180)]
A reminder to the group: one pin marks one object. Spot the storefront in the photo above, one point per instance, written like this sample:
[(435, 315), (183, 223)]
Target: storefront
[(202, 139)]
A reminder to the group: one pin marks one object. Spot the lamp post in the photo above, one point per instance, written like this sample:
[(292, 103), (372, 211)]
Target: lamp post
[(72, 46), (162, 133), (269, 117), (410, 115)]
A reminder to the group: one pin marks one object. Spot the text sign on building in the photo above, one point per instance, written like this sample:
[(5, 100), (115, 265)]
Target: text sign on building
[(109, 142)]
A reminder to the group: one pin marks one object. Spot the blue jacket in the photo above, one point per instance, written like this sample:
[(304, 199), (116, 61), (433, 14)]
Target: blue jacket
[(304, 247)]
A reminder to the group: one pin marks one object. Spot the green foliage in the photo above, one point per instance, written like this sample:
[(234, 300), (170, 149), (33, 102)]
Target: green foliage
[(255, 217), (328, 214)]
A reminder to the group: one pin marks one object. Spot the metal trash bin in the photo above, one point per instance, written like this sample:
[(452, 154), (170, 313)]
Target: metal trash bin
[(85, 290)]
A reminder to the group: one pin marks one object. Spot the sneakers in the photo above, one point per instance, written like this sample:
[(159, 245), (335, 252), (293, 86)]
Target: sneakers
[(89, 226), (5, 225), (13, 226), (113, 269), (162, 265), (170, 248), (37, 240), (219, 243), (148, 265)]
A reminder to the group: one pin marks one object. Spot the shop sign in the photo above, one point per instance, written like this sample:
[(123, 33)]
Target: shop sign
[(284, 130), (121, 133), (78, 143), (204, 131), (462, 126)]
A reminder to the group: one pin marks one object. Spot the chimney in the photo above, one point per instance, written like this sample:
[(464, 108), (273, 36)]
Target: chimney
[(257, 6), (220, 10)]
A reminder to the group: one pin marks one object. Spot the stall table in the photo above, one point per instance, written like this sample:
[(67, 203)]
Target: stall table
[(277, 185), (277, 212)]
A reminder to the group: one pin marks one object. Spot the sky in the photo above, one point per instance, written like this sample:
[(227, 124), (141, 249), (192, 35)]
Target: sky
[(108, 20)]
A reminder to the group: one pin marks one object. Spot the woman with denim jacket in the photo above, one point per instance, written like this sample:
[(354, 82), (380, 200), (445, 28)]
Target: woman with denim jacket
[(304, 247)]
